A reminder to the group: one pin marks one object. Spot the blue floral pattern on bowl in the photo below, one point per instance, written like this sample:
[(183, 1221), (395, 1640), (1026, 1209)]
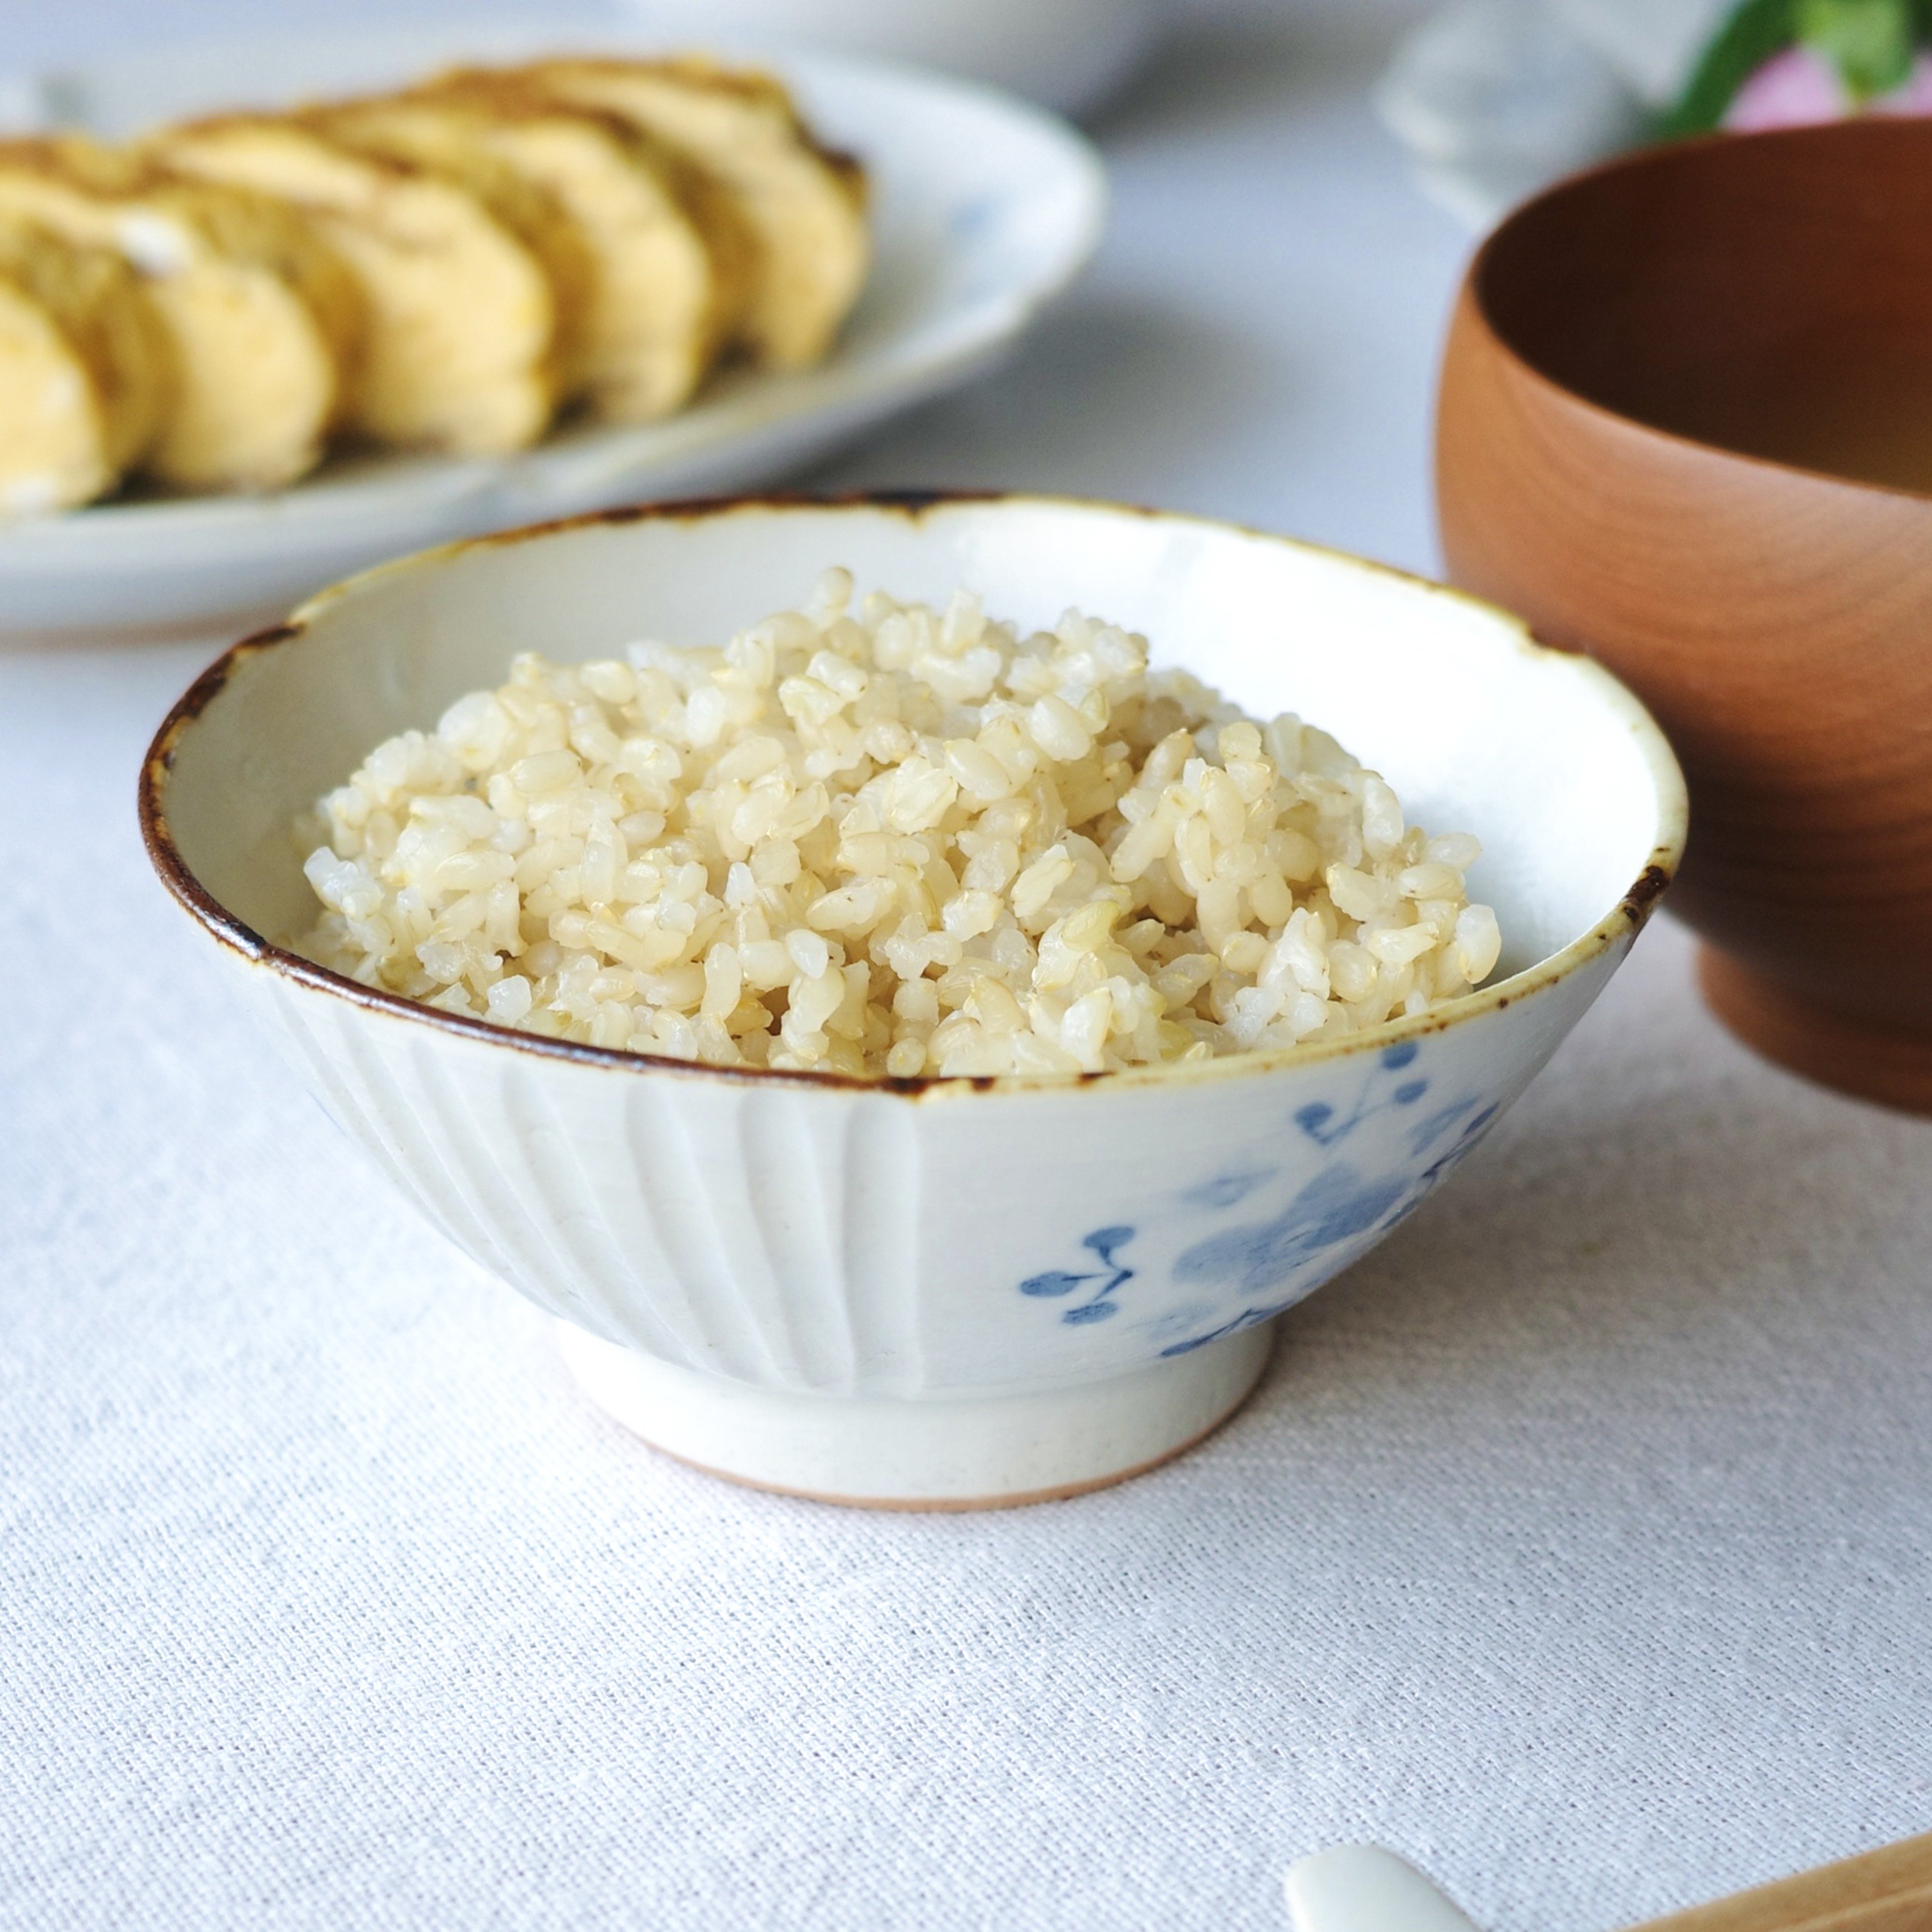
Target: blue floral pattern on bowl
[(1104, 1242), (1255, 1270)]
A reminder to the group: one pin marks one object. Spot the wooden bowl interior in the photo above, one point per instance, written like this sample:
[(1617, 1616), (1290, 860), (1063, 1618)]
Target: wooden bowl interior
[(1769, 294)]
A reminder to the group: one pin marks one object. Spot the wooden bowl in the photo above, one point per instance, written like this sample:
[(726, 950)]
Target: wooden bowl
[(1686, 424)]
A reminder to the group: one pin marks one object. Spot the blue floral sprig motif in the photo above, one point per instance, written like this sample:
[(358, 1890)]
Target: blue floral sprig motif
[(1318, 1121), (1269, 1265), (1096, 1307), (1339, 1208)]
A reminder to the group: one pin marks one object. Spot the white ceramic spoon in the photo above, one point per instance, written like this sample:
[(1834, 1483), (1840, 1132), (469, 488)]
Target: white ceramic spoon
[(1363, 1888)]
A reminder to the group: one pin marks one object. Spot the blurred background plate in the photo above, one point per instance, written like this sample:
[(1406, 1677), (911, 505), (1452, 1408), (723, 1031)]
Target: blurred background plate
[(984, 208)]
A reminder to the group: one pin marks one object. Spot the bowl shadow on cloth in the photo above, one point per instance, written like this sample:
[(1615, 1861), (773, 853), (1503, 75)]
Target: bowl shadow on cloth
[(1109, 396), (216, 637)]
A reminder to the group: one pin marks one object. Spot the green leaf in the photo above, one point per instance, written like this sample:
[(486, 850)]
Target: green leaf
[(1755, 30), (1868, 41)]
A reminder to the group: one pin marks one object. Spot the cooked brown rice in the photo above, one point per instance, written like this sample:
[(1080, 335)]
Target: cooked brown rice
[(892, 842)]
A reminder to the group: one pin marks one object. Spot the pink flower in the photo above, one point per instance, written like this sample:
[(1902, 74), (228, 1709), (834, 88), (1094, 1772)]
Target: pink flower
[(1798, 89)]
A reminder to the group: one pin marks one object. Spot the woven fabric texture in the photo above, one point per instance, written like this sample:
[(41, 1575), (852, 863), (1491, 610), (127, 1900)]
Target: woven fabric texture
[(1579, 1546)]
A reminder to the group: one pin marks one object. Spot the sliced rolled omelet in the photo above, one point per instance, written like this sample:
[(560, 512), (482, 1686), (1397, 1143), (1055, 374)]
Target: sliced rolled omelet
[(459, 318), (655, 305), (83, 371), (392, 131), (804, 206), (262, 319)]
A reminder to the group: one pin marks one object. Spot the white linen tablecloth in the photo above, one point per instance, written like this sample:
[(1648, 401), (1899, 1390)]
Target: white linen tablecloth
[(1579, 1546)]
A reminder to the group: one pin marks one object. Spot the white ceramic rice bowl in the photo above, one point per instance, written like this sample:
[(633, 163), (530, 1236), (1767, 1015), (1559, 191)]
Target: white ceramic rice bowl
[(931, 1293)]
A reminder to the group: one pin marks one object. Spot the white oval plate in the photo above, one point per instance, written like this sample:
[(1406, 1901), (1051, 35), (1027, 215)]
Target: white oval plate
[(984, 208)]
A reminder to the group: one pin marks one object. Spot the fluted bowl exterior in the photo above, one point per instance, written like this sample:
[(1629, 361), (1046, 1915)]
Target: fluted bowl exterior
[(850, 1240)]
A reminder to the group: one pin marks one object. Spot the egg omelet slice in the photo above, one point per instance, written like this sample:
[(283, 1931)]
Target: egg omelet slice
[(657, 303), (803, 206), (461, 320), (262, 320), (83, 371), (389, 130)]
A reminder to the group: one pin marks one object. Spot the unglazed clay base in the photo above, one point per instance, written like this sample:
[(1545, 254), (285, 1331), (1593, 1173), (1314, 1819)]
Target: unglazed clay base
[(950, 1454), (1874, 1063)]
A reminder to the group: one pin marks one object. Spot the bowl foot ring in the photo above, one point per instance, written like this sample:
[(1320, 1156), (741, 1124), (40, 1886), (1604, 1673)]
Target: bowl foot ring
[(950, 1453), (1861, 1058)]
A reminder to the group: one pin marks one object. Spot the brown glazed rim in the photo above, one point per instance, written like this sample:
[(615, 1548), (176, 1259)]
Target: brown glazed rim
[(1625, 918), (1664, 155)]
